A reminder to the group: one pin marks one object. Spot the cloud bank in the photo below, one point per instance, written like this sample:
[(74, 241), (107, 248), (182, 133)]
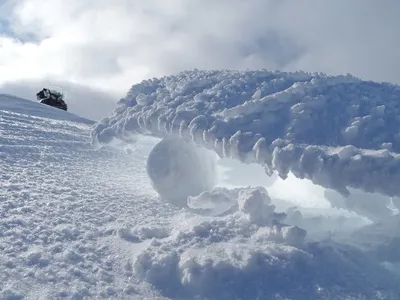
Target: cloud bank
[(110, 44)]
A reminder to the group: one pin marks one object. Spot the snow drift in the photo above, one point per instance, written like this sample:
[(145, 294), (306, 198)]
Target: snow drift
[(83, 224), (253, 254), (338, 131)]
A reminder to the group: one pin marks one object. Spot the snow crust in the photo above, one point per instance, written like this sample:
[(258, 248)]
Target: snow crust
[(76, 223), (338, 131), (255, 254), (60, 202)]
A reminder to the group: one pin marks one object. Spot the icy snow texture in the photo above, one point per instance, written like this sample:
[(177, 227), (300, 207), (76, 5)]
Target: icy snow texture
[(251, 254), (82, 224), (337, 131), (60, 202)]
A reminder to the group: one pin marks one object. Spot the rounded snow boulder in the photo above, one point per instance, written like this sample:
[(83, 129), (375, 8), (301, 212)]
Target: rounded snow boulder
[(178, 170)]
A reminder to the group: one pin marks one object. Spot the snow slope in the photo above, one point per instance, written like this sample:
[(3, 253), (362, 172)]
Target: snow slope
[(81, 100), (13, 104), (60, 203), (337, 131), (79, 223)]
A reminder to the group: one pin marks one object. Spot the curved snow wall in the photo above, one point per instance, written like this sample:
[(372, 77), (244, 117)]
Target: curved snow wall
[(337, 131)]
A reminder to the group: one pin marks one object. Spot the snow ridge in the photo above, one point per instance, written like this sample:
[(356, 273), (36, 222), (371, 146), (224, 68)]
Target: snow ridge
[(337, 131)]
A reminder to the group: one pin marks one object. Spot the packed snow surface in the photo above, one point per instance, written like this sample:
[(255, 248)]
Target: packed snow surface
[(338, 131), (84, 223), (61, 204)]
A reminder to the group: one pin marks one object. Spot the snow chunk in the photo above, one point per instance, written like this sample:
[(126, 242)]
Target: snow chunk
[(178, 170), (255, 204), (347, 152), (292, 235), (215, 202)]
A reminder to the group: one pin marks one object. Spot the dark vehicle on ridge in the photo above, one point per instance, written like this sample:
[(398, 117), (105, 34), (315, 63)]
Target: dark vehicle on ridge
[(52, 98)]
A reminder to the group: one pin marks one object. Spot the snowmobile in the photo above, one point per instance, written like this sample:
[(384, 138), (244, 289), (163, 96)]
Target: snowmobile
[(52, 98)]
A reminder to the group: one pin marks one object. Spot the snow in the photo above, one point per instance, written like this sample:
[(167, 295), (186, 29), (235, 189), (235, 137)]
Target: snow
[(287, 122), (84, 222), (60, 205), (172, 161), (81, 100), (30, 110)]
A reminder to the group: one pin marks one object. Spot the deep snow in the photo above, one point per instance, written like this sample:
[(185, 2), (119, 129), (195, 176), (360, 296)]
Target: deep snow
[(81, 222), (329, 129)]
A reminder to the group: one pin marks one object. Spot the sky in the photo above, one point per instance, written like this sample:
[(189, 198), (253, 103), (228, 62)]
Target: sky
[(110, 45)]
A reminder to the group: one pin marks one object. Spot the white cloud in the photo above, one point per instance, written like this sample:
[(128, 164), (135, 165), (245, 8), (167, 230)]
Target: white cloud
[(113, 44)]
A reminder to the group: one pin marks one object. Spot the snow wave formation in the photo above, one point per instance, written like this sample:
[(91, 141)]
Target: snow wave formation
[(338, 131)]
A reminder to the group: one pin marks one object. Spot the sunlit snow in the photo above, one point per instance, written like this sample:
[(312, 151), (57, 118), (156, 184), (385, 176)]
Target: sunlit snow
[(263, 213), (328, 129)]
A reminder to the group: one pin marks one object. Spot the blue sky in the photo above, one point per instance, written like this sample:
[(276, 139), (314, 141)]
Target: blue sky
[(23, 37), (113, 44), (5, 28), (5, 10)]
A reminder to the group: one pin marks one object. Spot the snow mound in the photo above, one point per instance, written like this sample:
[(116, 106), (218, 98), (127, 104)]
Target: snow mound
[(252, 254), (337, 131)]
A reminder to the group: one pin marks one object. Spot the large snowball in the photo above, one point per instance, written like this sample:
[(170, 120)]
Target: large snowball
[(178, 170)]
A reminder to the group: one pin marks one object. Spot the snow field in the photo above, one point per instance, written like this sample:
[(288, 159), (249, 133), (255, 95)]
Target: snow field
[(80, 223)]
